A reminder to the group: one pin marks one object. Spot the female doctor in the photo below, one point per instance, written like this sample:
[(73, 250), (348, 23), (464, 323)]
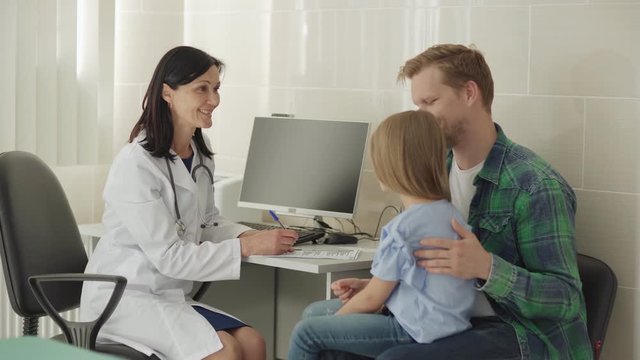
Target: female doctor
[(162, 230)]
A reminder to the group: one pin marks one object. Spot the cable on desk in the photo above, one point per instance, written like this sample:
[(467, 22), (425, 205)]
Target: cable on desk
[(380, 217), (339, 222), (355, 227)]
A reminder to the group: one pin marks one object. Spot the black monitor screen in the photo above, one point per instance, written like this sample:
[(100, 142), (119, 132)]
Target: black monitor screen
[(306, 167)]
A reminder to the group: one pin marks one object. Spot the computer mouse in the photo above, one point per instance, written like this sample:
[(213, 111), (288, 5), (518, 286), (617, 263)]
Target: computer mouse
[(338, 239)]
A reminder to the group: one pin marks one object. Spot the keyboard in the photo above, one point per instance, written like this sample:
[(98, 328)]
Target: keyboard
[(304, 235)]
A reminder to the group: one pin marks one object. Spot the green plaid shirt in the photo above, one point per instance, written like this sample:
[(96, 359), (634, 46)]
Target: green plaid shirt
[(523, 213)]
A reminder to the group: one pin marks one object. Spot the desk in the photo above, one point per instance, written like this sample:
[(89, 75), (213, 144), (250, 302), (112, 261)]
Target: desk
[(32, 347), (331, 269), (274, 291)]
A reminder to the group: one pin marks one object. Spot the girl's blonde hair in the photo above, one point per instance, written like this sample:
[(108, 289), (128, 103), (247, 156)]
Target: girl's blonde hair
[(408, 151)]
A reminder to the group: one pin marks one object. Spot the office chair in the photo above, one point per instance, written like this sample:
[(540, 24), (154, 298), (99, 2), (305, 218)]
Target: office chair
[(41, 250), (599, 286)]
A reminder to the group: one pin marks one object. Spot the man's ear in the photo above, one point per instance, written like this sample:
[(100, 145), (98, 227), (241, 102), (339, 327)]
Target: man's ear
[(471, 92), (167, 93)]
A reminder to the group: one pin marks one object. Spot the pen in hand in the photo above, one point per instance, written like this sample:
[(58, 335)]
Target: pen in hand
[(276, 219)]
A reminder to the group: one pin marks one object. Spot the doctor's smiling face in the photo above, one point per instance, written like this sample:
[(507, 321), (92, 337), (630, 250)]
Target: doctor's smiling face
[(192, 104)]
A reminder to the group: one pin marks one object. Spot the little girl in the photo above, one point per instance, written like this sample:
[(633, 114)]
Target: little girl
[(402, 303)]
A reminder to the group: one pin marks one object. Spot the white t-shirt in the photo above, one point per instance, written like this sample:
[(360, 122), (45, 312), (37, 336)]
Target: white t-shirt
[(462, 192)]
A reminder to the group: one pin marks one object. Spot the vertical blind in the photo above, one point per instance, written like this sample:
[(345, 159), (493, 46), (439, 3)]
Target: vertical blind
[(56, 71)]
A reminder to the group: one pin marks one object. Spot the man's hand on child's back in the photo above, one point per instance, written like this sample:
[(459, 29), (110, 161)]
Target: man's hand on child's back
[(464, 258)]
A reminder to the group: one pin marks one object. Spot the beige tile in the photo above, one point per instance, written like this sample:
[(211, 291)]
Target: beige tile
[(550, 126), (607, 227), (122, 130), (78, 185), (624, 327), (201, 6), (355, 105), (278, 100), (279, 5), (234, 118), (371, 45), (502, 34), (420, 32), (346, 4), (391, 102), (244, 5), (615, 1), (100, 174), (128, 5), (612, 149), (449, 25), (127, 108), (229, 164), (141, 41), (214, 133), (234, 108), (423, 3), (220, 35), (371, 202), (387, 103), (529, 2), (170, 6), (406, 100), (302, 46), (585, 50)]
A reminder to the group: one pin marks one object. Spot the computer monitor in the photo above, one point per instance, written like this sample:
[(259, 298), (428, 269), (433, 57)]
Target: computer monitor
[(304, 167)]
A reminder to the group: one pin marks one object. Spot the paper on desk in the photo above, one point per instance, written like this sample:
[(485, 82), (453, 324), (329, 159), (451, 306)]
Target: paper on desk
[(336, 254)]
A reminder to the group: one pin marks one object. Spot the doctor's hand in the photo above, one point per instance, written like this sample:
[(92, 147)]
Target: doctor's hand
[(464, 258), (268, 242), (345, 289)]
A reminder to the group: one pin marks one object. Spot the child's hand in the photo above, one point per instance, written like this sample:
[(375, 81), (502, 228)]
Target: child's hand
[(345, 289)]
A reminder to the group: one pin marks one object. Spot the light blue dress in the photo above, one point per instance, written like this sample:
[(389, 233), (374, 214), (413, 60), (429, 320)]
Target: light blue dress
[(424, 307), (427, 306)]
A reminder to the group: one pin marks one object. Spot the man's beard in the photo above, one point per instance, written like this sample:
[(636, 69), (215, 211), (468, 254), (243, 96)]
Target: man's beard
[(453, 132)]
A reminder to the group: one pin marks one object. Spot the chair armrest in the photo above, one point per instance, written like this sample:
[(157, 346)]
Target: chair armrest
[(81, 334)]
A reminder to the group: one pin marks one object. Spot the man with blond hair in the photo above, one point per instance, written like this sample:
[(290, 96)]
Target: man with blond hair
[(521, 251)]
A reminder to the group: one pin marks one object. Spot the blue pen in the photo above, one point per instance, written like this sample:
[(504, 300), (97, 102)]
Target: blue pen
[(275, 218)]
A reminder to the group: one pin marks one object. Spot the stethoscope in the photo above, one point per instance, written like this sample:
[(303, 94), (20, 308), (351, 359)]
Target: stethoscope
[(181, 228)]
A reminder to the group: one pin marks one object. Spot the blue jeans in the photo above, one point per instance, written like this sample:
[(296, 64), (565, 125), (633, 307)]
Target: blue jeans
[(366, 335), (489, 339)]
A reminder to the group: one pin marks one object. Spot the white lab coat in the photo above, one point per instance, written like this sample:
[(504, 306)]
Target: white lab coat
[(141, 244)]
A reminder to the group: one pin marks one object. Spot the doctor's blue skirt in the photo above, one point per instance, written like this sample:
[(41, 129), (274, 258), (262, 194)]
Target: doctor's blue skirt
[(219, 321)]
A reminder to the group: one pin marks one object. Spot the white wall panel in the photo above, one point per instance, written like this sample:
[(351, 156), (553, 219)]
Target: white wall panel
[(612, 150), (553, 127), (585, 50)]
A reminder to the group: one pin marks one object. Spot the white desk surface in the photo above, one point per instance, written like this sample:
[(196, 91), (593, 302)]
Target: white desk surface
[(320, 266), (315, 266)]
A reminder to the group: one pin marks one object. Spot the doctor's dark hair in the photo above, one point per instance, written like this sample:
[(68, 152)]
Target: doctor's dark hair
[(408, 152), (179, 66)]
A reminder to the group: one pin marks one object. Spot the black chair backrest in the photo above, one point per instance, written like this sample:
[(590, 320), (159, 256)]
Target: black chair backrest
[(599, 286), (38, 233)]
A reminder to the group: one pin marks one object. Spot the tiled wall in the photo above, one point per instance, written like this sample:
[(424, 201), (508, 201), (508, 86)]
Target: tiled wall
[(567, 76)]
